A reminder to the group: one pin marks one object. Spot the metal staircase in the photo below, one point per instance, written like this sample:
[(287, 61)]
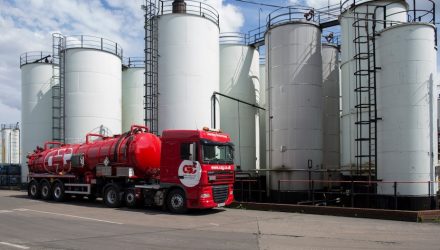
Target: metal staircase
[(151, 104), (365, 89), (58, 62)]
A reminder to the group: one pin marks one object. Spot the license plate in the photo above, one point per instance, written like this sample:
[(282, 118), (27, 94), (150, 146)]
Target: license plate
[(221, 204)]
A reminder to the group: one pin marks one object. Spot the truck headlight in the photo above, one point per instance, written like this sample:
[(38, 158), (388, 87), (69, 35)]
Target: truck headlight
[(231, 192), (205, 196)]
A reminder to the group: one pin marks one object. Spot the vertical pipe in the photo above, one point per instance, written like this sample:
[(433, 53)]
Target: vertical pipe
[(395, 195), (414, 10)]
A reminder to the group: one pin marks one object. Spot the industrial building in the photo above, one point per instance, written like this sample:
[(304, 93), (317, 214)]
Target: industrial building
[(341, 111)]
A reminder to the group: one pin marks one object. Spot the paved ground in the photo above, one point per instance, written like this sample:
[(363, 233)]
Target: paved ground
[(30, 224)]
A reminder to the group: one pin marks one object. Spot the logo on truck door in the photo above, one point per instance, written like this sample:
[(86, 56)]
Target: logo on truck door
[(189, 173)]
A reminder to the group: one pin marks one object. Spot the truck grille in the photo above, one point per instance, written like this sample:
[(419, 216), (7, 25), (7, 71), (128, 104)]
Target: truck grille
[(220, 193), (222, 177)]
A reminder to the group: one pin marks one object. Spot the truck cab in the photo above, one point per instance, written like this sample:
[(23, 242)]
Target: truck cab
[(197, 167)]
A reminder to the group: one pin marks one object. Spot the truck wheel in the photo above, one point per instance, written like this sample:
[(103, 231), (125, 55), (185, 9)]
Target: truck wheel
[(130, 198), (176, 201), (58, 191), (112, 197), (34, 190), (46, 190)]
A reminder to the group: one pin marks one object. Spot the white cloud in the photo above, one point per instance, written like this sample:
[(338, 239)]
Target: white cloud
[(231, 18), (314, 3)]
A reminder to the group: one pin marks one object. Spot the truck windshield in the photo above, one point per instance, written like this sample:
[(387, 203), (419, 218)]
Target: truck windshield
[(216, 153)]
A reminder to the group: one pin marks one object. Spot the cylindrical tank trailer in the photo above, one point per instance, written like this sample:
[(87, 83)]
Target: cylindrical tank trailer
[(140, 151)]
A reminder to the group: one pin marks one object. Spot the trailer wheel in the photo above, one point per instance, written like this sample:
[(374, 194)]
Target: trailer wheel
[(46, 190), (176, 201), (130, 198), (112, 197), (34, 190), (58, 191)]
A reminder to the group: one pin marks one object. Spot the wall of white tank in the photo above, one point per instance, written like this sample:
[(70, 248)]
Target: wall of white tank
[(406, 104), (132, 97), (10, 145), (92, 93), (294, 68), (188, 70), (36, 109), (239, 78), (331, 116)]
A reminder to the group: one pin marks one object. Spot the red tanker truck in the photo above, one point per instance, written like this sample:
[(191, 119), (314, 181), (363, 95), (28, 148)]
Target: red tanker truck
[(182, 169)]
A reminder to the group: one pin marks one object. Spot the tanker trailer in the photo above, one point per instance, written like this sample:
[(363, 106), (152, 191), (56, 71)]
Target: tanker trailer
[(182, 169)]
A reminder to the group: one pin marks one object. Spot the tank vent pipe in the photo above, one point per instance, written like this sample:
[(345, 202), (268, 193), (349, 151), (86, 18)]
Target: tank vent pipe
[(179, 6)]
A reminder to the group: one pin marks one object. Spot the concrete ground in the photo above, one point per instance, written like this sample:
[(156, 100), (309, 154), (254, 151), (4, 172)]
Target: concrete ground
[(31, 224)]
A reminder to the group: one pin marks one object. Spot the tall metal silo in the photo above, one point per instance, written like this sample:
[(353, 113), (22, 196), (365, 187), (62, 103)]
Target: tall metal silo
[(294, 68), (407, 98), (10, 145), (188, 64), (92, 87), (263, 116), (239, 79), (133, 92), (356, 24), (36, 103), (330, 89)]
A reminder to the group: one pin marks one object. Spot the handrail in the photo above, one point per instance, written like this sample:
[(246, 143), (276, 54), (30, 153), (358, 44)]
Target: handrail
[(93, 135), (35, 57), (133, 62), (234, 38), (93, 42), (193, 8)]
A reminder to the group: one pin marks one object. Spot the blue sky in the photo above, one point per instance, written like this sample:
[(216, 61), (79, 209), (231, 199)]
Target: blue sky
[(26, 25)]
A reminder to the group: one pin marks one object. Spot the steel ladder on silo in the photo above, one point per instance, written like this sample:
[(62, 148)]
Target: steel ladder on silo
[(58, 62), (365, 89), (151, 67)]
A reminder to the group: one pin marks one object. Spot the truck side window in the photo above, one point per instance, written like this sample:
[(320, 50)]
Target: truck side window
[(187, 151)]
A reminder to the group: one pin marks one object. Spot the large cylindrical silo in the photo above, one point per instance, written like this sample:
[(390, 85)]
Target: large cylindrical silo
[(407, 106), (239, 79), (294, 68), (92, 87), (330, 89), (188, 65), (36, 103), (393, 11), (263, 120), (10, 145), (133, 92)]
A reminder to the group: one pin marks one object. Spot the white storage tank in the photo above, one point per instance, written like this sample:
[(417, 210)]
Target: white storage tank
[(407, 97), (188, 68), (92, 85), (10, 144), (330, 89), (394, 12), (36, 103), (239, 79), (294, 68), (133, 92), (263, 115)]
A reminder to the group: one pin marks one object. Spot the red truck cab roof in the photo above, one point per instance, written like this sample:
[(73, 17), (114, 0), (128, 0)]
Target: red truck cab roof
[(196, 134)]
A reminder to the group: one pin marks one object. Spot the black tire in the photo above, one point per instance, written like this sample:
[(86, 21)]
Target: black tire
[(130, 198), (112, 196), (34, 190), (46, 190), (58, 191), (176, 201)]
